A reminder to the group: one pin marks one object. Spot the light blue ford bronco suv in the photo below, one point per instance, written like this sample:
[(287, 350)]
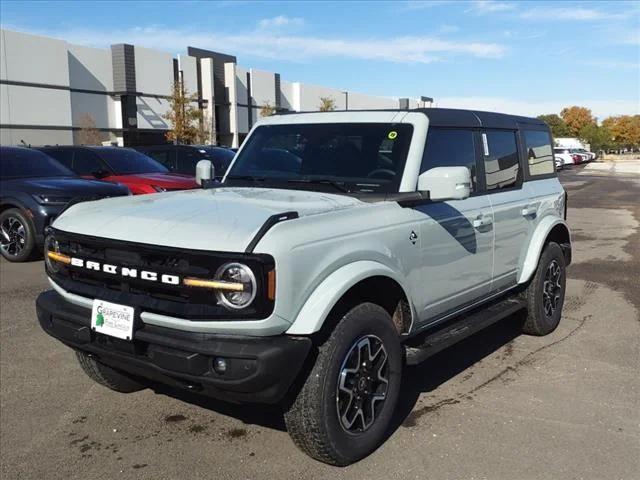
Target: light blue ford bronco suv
[(339, 247)]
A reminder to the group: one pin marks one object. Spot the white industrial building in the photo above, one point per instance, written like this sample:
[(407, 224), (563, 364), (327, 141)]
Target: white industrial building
[(48, 86)]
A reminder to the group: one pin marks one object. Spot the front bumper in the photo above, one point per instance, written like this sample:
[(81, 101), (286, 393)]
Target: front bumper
[(259, 369)]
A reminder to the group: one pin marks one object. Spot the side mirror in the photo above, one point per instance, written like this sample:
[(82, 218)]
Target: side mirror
[(100, 174), (205, 173), (446, 183)]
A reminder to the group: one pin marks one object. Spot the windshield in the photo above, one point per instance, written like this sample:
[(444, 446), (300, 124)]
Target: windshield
[(216, 152), (353, 157), (125, 161), (221, 157), (26, 163)]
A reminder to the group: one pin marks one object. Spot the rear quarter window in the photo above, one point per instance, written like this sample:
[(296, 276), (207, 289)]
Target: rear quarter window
[(539, 152)]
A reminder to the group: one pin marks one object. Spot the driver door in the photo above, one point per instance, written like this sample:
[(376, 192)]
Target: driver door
[(456, 237)]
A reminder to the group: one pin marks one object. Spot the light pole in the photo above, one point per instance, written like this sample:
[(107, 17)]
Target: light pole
[(346, 100)]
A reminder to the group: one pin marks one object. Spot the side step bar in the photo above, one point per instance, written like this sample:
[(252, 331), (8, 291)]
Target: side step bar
[(442, 336)]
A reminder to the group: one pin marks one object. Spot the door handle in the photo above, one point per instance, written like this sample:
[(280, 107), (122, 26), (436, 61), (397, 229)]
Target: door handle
[(482, 221), (529, 211)]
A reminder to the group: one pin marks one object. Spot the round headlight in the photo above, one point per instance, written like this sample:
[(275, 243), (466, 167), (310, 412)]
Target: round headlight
[(51, 245), (240, 274)]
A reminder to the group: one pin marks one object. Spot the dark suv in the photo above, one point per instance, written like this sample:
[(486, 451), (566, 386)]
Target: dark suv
[(124, 165), (183, 158), (34, 189)]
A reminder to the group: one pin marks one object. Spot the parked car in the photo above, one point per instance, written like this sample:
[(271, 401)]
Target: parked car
[(575, 157), (183, 158), (583, 156), (590, 155), (34, 189), (123, 165), (565, 157), (309, 279), (559, 163)]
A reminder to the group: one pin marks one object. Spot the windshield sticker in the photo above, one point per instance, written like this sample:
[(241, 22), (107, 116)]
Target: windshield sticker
[(392, 135), (485, 144)]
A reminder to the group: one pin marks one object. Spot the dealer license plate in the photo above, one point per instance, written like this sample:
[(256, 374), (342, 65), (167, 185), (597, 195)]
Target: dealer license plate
[(112, 319)]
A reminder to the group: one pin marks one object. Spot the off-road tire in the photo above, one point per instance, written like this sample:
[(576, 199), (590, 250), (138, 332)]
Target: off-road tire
[(537, 321), (30, 236), (313, 421), (107, 376)]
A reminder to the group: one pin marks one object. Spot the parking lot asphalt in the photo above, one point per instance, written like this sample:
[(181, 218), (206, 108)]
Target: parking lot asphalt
[(497, 406)]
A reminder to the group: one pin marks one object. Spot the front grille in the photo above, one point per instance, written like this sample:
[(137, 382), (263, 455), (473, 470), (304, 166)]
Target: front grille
[(154, 296)]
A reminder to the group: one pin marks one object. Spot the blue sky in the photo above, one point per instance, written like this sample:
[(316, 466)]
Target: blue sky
[(521, 57)]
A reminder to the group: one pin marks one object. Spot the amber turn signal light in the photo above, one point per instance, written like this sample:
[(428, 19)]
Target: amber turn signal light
[(59, 257)]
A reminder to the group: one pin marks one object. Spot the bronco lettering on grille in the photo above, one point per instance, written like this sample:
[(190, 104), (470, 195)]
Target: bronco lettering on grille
[(147, 275)]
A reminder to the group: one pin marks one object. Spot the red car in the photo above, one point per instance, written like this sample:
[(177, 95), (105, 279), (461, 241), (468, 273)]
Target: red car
[(123, 165)]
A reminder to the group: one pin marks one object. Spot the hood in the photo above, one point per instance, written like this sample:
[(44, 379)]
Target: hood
[(222, 219), (166, 180), (65, 186)]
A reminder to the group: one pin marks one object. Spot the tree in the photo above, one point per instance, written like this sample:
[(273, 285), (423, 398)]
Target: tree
[(557, 125), (267, 110), (184, 115), (89, 134), (327, 104), (625, 130), (598, 137), (576, 119), (204, 134)]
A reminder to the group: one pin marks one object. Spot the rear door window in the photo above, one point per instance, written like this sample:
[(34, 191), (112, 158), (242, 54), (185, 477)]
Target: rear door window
[(188, 158), (539, 152), (62, 155), (86, 163), (450, 148), (165, 156), (501, 165)]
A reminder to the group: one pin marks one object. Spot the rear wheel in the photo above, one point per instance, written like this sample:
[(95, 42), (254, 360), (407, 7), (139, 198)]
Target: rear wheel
[(545, 293), (107, 376), (344, 409), (17, 235)]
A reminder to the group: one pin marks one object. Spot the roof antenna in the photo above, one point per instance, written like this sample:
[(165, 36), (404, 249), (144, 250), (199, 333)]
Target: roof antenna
[(23, 142)]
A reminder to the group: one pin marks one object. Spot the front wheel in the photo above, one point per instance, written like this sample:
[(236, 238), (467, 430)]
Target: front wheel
[(545, 293), (344, 409), (17, 236), (107, 376)]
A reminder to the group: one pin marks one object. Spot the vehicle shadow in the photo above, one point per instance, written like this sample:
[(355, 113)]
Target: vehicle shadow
[(269, 416), (36, 256), (419, 379), (442, 367)]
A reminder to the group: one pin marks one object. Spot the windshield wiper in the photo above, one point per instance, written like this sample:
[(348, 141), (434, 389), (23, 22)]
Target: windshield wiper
[(250, 178), (321, 181)]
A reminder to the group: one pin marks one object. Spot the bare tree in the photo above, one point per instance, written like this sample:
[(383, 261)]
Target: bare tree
[(204, 136), (89, 134)]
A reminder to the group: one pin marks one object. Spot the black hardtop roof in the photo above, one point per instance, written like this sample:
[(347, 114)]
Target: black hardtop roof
[(453, 117), (97, 148), (13, 148), (450, 117)]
